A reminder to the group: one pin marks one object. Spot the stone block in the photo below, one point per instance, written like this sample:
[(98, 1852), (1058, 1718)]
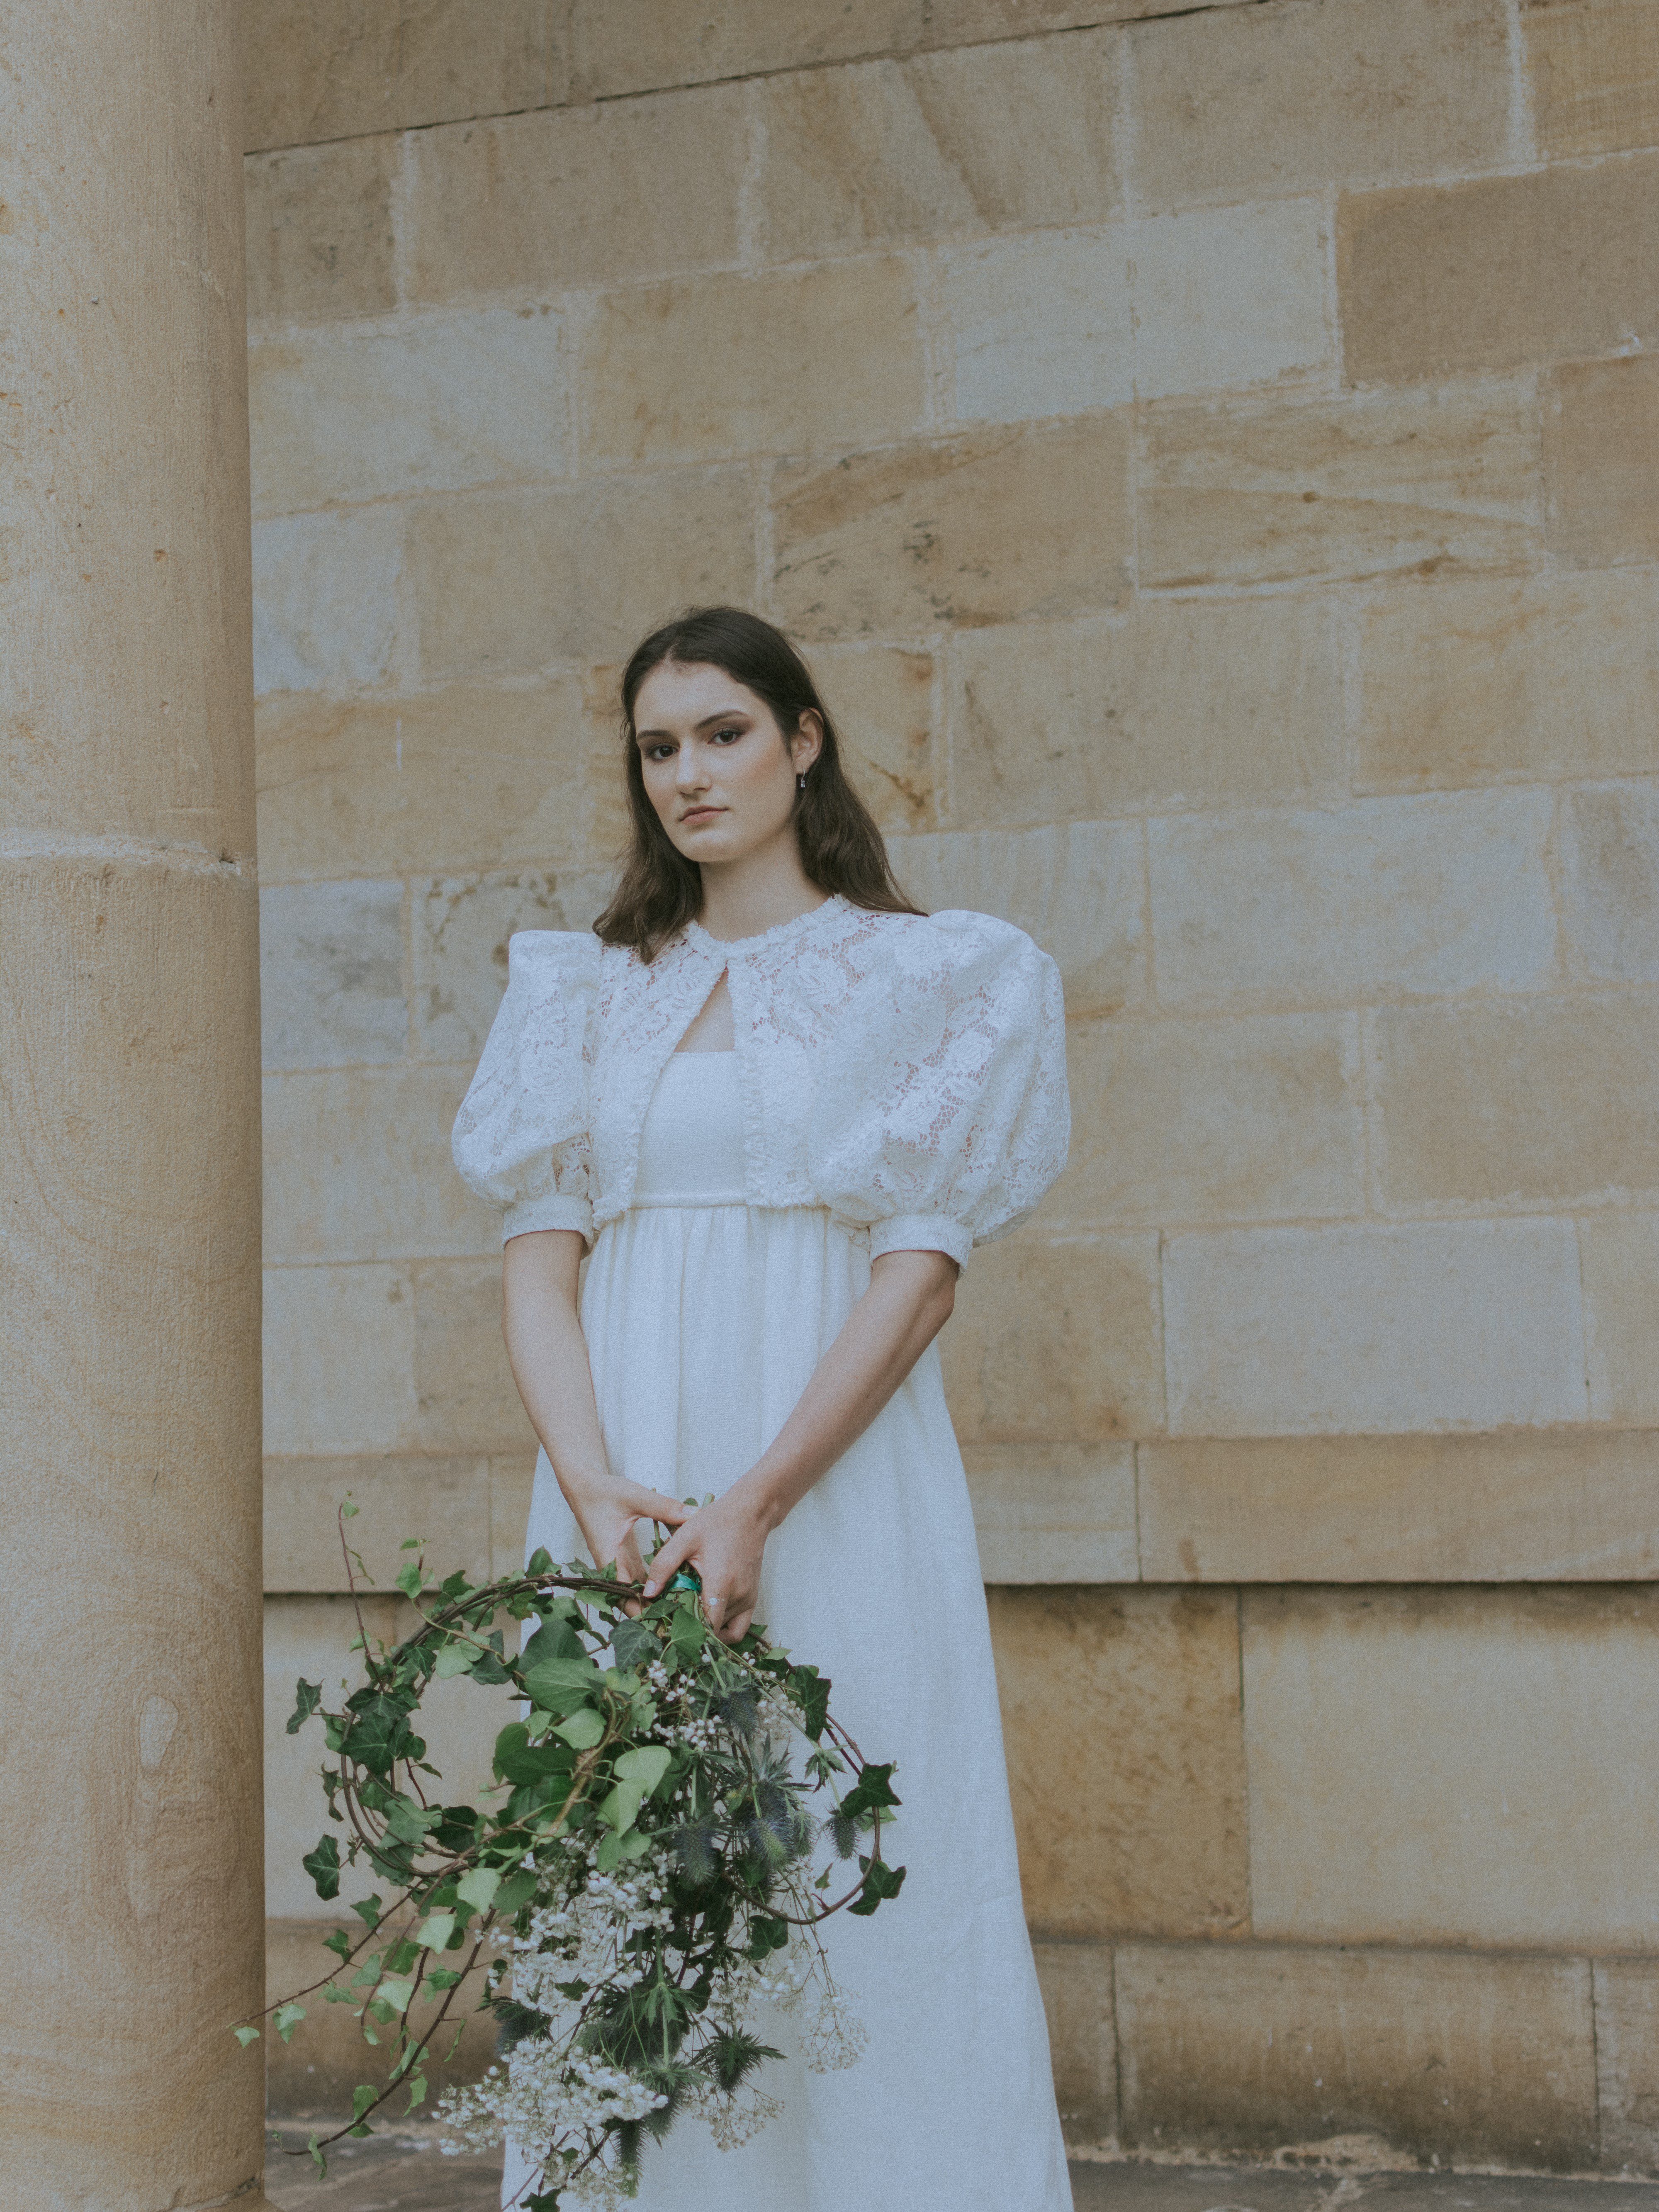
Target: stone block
[(1187, 702), (465, 777), (1038, 326), (1594, 67), (1126, 1759), (1433, 1325), (319, 234), (433, 404), (1078, 888), (339, 1361), (1054, 1513), (1076, 1980), (830, 357), (1439, 894), (1619, 1256), (1627, 2061), (1432, 484), (331, 974), (1056, 1342), (444, 1502), (308, 1636), (987, 528), (319, 69), (1563, 1506), (506, 582), (467, 1398), (1534, 1101), (881, 700), (357, 1167), (327, 600), (512, 1475), (1369, 1714), (1287, 98), (1494, 681), (1601, 461), (1498, 273), (1440, 2056), (634, 46), (461, 928), (530, 205), (1228, 297), (1239, 1120), (1015, 136)]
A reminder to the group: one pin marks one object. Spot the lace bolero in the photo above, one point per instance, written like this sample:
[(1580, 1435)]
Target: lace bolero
[(908, 1072)]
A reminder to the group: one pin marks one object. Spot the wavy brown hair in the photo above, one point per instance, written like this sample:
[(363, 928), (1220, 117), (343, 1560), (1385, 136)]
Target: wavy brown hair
[(841, 847)]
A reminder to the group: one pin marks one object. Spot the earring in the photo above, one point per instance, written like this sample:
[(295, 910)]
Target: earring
[(800, 782)]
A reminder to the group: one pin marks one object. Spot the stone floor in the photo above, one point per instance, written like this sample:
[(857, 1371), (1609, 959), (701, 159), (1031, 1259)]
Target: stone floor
[(408, 2173)]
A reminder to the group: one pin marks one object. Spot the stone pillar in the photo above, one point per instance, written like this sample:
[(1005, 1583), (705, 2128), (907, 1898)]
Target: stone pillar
[(130, 1730)]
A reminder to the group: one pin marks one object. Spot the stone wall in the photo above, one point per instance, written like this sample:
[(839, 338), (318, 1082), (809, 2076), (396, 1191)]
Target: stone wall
[(1213, 463)]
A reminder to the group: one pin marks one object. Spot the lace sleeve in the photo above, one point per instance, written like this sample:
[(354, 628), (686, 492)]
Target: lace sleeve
[(941, 1115), (521, 1136)]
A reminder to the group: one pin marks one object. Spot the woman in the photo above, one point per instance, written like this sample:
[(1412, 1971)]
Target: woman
[(782, 1107)]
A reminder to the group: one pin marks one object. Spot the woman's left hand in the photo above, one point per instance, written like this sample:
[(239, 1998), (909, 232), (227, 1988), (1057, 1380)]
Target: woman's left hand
[(725, 1542)]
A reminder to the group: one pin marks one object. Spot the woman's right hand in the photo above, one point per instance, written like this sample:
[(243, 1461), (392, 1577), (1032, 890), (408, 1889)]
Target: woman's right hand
[(609, 1520)]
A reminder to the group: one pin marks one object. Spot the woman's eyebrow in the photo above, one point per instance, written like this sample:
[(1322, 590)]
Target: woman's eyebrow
[(708, 722)]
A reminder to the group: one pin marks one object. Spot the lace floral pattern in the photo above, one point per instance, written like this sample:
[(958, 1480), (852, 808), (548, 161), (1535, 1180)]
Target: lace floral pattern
[(906, 1072)]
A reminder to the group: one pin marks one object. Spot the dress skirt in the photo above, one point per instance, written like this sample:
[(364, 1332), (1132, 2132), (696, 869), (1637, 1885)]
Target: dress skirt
[(704, 1323)]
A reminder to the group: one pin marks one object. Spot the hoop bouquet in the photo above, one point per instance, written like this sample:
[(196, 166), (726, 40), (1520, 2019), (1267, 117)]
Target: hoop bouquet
[(672, 1821)]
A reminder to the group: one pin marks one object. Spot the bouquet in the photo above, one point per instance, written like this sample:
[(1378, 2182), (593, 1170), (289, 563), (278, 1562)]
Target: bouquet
[(662, 1845)]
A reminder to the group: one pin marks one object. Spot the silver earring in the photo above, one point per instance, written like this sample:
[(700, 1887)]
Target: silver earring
[(800, 782)]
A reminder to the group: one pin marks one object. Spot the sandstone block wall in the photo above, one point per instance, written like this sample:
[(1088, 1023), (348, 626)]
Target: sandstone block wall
[(1212, 460)]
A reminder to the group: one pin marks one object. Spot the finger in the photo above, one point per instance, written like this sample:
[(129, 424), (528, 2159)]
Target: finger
[(672, 1556), (737, 1626), (714, 1610), (655, 1505)]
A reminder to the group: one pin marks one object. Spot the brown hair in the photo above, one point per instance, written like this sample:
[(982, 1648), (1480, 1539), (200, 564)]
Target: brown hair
[(841, 847)]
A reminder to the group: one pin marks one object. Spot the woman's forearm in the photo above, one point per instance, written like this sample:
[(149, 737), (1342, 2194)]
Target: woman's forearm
[(548, 1355)]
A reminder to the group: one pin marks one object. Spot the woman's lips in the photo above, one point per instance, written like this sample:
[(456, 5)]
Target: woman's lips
[(702, 813)]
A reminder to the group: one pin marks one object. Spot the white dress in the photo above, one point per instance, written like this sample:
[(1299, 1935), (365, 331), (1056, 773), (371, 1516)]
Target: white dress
[(705, 1315)]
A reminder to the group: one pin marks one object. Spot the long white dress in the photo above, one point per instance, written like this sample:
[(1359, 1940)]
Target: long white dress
[(705, 1315)]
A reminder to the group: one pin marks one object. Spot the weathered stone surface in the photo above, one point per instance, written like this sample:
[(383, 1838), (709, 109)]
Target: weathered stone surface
[(1540, 1101), (1627, 2061), (1620, 1255), (511, 1477), (1569, 1505), (965, 20), (326, 600), (1076, 1979), (1290, 98), (1437, 1325), (1078, 888), (1601, 461), (1595, 70), (461, 926), (1239, 1120), (446, 1502), (357, 1167), (319, 236), (1363, 1850), (331, 974), (1190, 702), (1054, 1513), (1228, 297), (1015, 136), (632, 45), (881, 703), (1139, 1824), (341, 69), (1383, 897), (1039, 325), (505, 582), (462, 778), (1482, 682), (1255, 496), (526, 205), (830, 358), (982, 529), (433, 404), (466, 1395), (1498, 273), (1439, 2054), (321, 1400), (1056, 1342)]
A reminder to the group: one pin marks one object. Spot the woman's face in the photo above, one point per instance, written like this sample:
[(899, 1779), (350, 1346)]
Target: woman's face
[(716, 765)]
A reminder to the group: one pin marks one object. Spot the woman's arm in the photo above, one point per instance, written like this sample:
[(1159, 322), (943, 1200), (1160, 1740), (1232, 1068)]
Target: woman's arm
[(908, 1302), (548, 1355)]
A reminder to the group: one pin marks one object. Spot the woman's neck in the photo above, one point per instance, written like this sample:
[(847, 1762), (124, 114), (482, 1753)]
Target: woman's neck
[(743, 898)]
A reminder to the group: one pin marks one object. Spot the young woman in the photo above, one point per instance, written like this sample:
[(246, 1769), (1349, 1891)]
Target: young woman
[(780, 1106)]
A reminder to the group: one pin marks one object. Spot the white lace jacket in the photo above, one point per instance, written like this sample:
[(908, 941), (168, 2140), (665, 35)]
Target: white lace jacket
[(906, 1072)]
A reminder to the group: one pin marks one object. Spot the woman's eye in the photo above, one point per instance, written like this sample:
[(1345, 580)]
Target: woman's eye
[(726, 737), (659, 752)]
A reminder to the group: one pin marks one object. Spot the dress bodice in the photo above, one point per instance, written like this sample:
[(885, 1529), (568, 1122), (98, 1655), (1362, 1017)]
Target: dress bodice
[(691, 1146)]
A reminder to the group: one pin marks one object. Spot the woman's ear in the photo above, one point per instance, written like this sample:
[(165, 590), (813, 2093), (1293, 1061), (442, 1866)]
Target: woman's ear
[(807, 743)]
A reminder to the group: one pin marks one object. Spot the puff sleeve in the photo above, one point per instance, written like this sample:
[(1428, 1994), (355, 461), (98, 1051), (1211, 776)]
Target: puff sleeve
[(521, 1136), (941, 1115)]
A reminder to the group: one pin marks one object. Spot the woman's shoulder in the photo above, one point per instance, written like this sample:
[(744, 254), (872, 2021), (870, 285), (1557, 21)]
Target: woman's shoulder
[(954, 938), (552, 957)]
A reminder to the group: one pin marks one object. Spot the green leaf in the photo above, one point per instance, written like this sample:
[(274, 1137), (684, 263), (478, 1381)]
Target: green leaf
[(646, 1763), (634, 1642), (608, 1857), (478, 1887), (556, 1685), (409, 1580), (811, 1692), (411, 1543), (436, 1930), (881, 1881), (517, 1890), (361, 2098), (556, 1639), (307, 1697), (323, 1865), (872, 1792), (348, 1509), (582, 1731), (540, 1561), (618, 1809), (443, 1977), (286, 2019), (369, 1912), (416, 2092), (456, 1659), (633, 1845), (247, 2035), (339, 1943), (316, 2158)]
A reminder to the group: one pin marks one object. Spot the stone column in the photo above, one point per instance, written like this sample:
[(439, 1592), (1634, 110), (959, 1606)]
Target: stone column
[(130, 1730)]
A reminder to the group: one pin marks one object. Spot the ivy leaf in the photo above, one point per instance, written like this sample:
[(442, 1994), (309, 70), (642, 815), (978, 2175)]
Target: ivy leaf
[(583, 1729), (635, 1642), (316, 2158), (881, 1881), (556, 1685), (339, 1943), (811, 1692), (323, 1865), (518, 1889), (361, 2098), (307, 1697), (245, 2035), (416, 2092), (369, 1912), (286, 2019), (456, 1659), (540, 1561), (647, 1764), (348, 1509), (477, 1887), (873, 1792), (556, 1639), (436, 1930)]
